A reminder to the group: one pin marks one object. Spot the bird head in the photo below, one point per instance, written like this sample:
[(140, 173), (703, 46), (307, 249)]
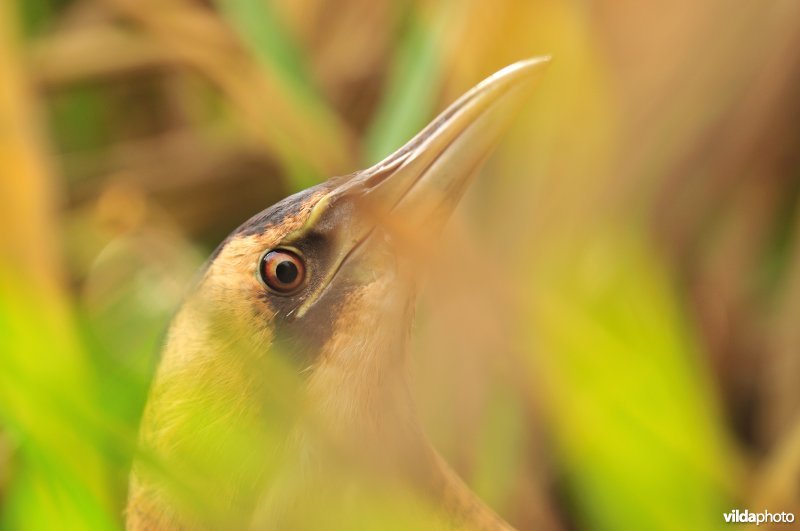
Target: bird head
[(326, 279), (300, 270)]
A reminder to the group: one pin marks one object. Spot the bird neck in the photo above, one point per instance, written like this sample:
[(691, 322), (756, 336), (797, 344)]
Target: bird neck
[(462, 507), (360, 384), (359, 403)]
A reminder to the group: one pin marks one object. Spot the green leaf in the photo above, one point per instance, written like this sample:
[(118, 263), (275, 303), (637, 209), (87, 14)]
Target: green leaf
[(413, 86), (630, 404), (260, 27)]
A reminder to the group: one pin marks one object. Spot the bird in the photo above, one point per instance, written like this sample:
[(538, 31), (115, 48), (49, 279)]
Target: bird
[(288, 356)]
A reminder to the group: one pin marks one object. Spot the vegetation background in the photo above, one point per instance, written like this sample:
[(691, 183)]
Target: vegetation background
[(609, 339)]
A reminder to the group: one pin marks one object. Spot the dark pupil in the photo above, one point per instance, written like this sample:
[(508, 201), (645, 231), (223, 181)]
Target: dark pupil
[(286, 272)]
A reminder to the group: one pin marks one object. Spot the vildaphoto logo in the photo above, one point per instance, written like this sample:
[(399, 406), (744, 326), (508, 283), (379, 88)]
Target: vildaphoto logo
[(746, 517)]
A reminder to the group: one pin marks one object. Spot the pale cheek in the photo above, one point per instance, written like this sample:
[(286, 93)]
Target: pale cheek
[(373, 317)]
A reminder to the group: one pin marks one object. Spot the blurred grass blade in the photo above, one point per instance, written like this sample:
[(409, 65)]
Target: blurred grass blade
[(306, 136), (631, 411), (259, 25), (414, 81), (46, 385), (47, 394)]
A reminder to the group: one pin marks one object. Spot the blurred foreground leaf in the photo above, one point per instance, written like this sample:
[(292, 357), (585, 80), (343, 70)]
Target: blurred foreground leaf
[(630, 405), (47, 392), (62, 478)]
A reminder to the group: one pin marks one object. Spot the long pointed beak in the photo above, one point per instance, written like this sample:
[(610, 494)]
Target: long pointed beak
[(422, 182), (417, 187)]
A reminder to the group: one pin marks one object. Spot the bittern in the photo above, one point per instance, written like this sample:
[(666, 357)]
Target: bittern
[(324, 281)]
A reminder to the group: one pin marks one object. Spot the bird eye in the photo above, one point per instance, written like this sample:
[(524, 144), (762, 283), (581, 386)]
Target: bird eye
[(282, 271)]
